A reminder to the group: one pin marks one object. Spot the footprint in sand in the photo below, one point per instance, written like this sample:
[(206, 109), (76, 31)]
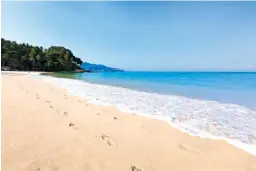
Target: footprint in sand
[(47, 101), (108, 140), (72, 125), (65, 113), (37, 96), (134, 168)]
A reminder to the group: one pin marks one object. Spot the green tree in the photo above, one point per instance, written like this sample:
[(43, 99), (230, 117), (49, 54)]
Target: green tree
[(27, 57)]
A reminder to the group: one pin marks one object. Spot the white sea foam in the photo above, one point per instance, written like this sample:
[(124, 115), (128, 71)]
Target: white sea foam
[(207, 119)]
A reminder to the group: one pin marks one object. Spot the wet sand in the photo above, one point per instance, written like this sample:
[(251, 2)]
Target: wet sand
[(46, 129)]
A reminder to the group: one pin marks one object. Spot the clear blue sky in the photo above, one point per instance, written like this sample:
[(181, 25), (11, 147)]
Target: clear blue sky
[(141, 35)]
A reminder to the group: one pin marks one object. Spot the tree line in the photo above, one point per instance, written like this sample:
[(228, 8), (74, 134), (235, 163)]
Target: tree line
[(25, 57)]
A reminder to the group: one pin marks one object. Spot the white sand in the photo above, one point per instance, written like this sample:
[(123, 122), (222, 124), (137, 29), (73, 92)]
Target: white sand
[(44, 128)]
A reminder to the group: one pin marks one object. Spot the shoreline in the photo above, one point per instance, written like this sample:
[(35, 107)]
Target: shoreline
[(249, 148), (105, 136)]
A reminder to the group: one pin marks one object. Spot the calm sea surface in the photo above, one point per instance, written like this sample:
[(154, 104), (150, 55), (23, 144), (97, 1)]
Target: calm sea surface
[(227, 87)]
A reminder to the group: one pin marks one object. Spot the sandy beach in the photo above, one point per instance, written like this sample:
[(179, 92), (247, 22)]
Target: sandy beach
[(46, 129)]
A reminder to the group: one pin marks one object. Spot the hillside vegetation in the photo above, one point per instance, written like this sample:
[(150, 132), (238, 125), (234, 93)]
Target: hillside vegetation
[(25, 57)]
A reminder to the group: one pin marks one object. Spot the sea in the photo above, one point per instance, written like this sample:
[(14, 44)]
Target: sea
[(215, 105)]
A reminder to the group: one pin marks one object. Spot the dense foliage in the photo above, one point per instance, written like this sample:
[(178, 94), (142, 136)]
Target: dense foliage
[(26, 57)]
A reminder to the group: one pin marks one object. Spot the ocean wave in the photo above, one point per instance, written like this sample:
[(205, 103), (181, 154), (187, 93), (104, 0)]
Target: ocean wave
[(207, 119)]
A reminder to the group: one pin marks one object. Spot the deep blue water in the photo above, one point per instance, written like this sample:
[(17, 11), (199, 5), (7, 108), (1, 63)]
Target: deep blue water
[(227, 87)]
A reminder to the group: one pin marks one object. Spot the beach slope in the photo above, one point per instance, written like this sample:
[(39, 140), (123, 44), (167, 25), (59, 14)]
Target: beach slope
[(46, 129)]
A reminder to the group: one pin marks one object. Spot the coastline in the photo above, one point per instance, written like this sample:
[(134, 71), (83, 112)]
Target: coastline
[(147, 104), (54, 129)]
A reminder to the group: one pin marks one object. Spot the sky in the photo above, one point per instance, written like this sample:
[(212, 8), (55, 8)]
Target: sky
[(155, 36)]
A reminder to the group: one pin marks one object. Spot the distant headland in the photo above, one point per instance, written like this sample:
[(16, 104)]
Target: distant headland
[(99, 68)]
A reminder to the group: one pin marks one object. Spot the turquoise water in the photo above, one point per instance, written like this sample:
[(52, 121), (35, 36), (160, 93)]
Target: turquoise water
[(227, 87), (217, 105)]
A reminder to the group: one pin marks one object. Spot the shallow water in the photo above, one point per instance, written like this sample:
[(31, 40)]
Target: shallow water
[(228, 87), (209, 105)]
